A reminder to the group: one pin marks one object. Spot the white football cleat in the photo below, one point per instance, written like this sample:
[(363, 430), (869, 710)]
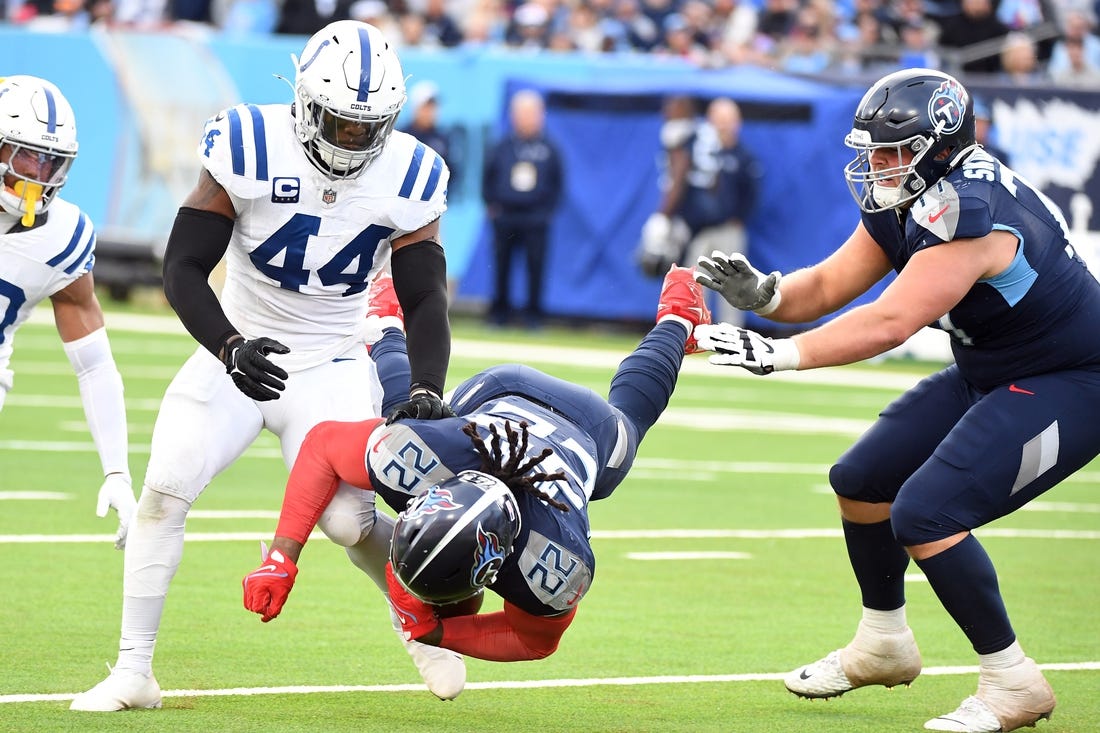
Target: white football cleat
[(120, 691), (1007, 699), (443, 671), (871, 658)]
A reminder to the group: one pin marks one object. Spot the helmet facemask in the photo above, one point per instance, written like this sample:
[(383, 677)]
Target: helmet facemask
[(37, 145), (886, 188)]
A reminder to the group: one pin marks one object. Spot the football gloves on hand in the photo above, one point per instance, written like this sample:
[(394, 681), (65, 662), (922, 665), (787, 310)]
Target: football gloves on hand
[(116, 493), (423, 404), (734, 346), (267, 587), (742, 285), (417, 617), (252, 372)]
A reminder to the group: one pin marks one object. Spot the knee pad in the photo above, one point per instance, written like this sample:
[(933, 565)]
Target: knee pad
[(349, 517), (851, 481)]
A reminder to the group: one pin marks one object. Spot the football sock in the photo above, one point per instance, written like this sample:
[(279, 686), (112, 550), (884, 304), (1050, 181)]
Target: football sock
[(884, 622), (1009, 657), (154, 547), (644, 381), (878, 562), (965, 581), (391, 358)]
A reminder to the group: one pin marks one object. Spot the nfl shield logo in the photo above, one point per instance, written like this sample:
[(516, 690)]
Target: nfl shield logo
[(329, 196)]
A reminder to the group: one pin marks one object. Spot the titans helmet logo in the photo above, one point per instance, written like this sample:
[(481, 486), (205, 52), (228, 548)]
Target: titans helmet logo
[(947, 107), (488, 558), (433, 501)]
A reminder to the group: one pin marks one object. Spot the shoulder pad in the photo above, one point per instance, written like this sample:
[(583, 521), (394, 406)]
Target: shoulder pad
[(234, 149), (420, 177)]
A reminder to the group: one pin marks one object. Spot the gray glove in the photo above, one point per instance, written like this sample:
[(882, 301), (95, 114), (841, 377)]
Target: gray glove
[(742, 285)]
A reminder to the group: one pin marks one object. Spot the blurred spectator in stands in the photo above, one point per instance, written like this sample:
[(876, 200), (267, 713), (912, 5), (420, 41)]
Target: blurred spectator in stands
[(306, 17), (975, 24), (529, 28), (424, 100), (983, 131), (377, 13), (1078, 71), (584, 31), (735, 28), (680, 42), (918, 45), (640, 32), (522, 185), (1037, 18), (809, 46), (440, 29), (774, 22), (1020, 61), (658, 10), (1078, 38)]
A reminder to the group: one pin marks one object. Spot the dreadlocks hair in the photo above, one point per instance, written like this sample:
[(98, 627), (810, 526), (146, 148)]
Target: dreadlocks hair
[(510, 472)]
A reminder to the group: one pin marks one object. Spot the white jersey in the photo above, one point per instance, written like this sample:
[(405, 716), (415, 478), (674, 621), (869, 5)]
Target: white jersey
[(36, 263), (305, 248)]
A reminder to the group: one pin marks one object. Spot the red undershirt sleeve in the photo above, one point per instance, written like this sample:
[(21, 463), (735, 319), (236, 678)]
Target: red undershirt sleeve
[(332, 452), (511, 635)]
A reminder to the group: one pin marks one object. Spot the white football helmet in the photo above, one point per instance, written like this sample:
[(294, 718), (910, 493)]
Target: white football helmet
[(37, 144), (348, 91)]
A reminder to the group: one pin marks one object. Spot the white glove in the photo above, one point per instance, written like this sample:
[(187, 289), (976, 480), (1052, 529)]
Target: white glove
[(734, 346), (117, 493), (742, 285)]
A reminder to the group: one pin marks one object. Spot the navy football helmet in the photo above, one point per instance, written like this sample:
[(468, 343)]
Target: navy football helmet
[(451, 541), (923, 111)]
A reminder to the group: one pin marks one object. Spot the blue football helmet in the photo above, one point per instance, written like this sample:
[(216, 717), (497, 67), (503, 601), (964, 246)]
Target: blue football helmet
[(924, 111), (451, 541)]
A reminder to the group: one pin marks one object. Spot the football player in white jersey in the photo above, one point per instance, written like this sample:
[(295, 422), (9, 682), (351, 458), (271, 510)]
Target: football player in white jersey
[(308, 203), (47, 248)]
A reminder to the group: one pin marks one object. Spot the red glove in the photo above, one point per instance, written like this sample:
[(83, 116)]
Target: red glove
[(417, 617), (266, 588)]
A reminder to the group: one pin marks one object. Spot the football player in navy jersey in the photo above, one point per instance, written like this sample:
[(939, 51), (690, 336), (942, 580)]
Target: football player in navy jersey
[(983, 255), (307, 202), (495, 498)]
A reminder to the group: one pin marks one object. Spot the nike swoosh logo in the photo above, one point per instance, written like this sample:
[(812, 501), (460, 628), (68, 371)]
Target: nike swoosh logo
[(1019, 390), (343, 358), (803, 676), (932, 218), (272, 568)]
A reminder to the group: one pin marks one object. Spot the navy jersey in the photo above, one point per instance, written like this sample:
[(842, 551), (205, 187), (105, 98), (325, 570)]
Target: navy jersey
[(1038, 315), (552, 564), (722, 183)]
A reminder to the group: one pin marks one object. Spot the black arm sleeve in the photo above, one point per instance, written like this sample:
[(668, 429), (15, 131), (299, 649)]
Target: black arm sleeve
[(420, 280), (197, 243)]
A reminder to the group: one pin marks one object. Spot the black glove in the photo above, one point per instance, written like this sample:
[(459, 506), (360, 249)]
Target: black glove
[(423, 404), (253, 374)]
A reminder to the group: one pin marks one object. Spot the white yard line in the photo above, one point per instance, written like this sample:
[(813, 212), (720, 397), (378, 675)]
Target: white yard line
[(526, 684)]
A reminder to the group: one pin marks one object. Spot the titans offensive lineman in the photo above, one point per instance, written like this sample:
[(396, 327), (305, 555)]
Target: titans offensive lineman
[(47, 247), (478, 519), (308, 203), (986, 257)]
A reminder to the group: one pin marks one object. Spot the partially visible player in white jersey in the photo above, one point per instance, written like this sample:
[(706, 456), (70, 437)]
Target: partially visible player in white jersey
[(47, 248), (308, 203)]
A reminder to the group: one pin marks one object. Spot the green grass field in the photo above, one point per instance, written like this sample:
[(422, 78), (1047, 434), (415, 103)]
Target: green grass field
[(735, 473)]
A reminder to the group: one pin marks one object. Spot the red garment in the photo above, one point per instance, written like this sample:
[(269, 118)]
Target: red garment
[(511, 635), (332, 452)]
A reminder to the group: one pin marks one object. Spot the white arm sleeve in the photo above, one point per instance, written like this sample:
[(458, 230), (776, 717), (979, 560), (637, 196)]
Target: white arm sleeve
[(101, 392)]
